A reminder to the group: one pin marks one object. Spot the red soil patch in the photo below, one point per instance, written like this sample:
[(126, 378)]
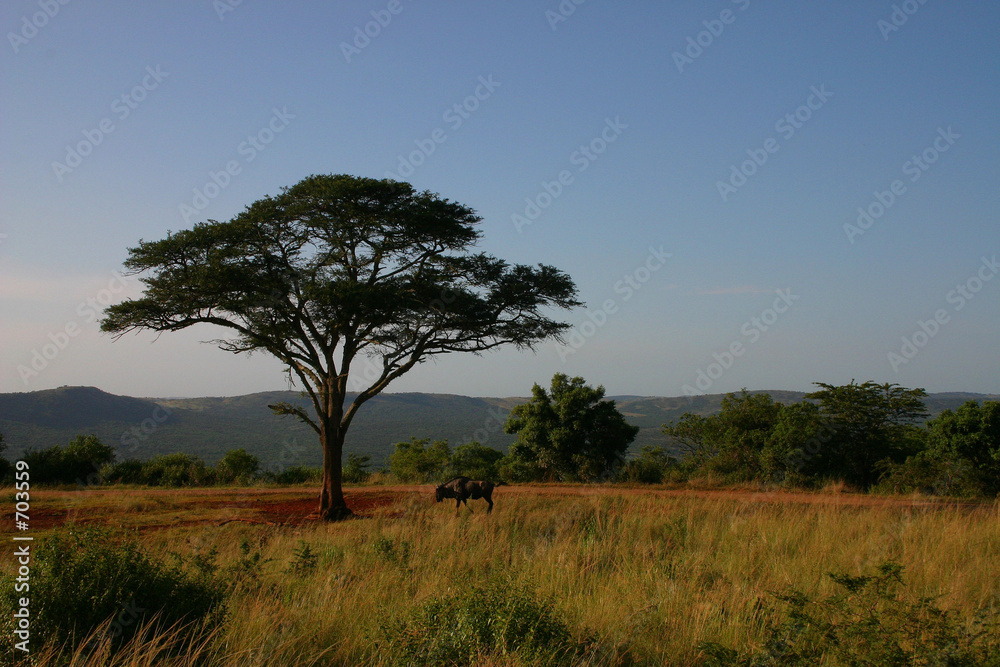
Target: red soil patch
[(44, 519), (240, 505), (298, 512)]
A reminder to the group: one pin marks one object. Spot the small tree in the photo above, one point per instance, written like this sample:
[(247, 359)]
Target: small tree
[(75, 463), (356, 468), (420, 460), (797, 444), (694, 436), (570, 433), (475, 461), (333, 269), (738, 442), (967, 441), (237, 466), (651, 466), (873, 425)]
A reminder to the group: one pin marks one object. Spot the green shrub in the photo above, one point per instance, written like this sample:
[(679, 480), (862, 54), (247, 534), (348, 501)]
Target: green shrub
[(245, 571), (177, 470), (304, 559), (515, 470), (296, 475), (388, 550), (475, 461), (498, 619), (237, 466), (926, 473), (420, 461), (128, 471), (653, 466), (75, 463), (869, 623), (6, 467), (355, 470), (82, 578)]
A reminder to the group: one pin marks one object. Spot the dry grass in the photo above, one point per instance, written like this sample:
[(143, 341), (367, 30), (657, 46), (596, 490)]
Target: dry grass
[(649, 573)]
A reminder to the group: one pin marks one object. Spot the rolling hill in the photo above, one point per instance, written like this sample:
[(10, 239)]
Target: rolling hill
[(209, 427)]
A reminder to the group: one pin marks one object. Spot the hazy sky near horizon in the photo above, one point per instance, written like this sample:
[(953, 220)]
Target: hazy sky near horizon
[(746, 193)]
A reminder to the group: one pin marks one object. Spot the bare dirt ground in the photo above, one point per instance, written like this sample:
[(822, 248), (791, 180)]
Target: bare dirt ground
[(156, 509), (153, 509)]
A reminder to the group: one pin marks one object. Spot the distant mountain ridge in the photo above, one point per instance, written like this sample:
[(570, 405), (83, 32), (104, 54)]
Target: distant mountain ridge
[(209, 427)]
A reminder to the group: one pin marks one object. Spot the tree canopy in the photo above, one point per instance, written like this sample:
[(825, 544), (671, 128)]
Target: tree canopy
[(969, 439), (568, 433), (333, 268), (873, 425), (852, 433)]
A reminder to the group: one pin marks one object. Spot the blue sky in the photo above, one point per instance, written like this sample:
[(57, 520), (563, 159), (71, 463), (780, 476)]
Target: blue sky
[(711, 155)]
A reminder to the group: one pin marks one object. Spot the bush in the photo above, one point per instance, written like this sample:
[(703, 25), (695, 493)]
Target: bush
[(926, 473), (513, 470), (869, 623), (420, 461), (569, 433), (296, 475), (395, 553), (356, 471), (73, 464), (652, 466), (83, 578), (499, 619), (475, 461), (177, 470), (304, 559), (6, 467), (237, 466), (245, 571), (128, 471)]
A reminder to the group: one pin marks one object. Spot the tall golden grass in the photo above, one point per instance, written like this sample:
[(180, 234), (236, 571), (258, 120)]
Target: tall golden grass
[(648, 575)]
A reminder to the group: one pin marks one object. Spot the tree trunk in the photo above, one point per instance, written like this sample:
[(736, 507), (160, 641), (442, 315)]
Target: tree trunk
[(331, 499)]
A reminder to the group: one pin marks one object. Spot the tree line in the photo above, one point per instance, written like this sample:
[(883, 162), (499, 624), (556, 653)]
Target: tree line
[(869, 436), (86, 461)]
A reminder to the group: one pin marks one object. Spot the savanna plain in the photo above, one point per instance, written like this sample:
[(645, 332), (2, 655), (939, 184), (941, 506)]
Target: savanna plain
[(557, 574)]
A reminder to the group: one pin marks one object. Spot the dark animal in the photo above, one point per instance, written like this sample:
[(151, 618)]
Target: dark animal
[(463, 488)]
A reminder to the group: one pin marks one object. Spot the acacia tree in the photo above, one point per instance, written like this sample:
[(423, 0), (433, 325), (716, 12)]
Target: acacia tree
[(338, 267), (872, 424)]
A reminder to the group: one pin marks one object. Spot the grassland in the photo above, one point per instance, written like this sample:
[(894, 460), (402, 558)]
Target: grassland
[(641, 576)]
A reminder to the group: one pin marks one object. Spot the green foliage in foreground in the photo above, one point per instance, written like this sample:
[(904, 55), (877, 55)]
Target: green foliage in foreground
[(498, 619), (81, 579), (604, 578), (869, 622)]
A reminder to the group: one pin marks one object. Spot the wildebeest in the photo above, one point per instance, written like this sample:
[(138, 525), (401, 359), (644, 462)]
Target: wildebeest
[(463, 488)]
